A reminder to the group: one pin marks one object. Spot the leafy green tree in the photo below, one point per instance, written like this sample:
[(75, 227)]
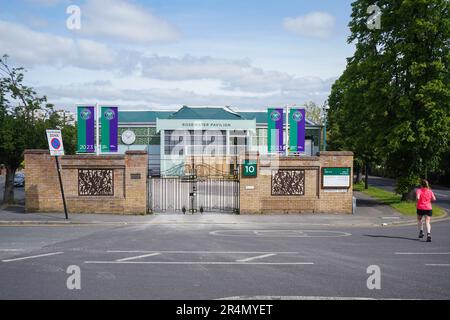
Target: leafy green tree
[(392, 102), (313, 112), (24, 117)]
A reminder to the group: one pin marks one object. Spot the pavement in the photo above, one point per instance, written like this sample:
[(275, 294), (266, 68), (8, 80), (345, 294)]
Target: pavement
[(369, 213)]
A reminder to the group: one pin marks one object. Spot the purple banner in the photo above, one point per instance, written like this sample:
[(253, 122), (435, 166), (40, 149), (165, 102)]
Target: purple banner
[(110, 123)]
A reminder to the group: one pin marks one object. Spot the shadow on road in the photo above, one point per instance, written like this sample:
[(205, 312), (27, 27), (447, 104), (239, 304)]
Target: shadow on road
[(391, 237)]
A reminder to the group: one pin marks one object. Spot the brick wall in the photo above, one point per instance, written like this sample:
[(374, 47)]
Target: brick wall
[(256, 193), (42, 191)]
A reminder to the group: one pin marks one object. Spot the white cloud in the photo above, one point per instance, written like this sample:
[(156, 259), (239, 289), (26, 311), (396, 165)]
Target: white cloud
[(314, 24), (234, 75), (162, 98), (31, 48), (122, 20)]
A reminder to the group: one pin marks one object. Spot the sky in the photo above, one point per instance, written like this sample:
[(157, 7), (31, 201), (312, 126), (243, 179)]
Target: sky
[(162, 54)]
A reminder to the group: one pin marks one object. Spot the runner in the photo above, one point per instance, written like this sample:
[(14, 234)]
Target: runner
[(424, 196)]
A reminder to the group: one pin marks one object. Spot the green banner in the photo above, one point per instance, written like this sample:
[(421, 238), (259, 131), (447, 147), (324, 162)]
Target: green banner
[(86, 129), (275, 137), (336, 171)]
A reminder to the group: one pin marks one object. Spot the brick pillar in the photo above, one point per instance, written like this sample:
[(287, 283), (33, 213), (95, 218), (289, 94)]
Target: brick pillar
[(136, 171), (42, 192)]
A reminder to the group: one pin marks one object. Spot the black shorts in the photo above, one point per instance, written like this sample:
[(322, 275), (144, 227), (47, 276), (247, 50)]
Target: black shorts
[(422, 213)]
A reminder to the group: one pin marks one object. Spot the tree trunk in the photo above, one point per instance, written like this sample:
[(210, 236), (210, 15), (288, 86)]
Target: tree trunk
[(359, 175), (366, 182), (8, 194), (410, 195)]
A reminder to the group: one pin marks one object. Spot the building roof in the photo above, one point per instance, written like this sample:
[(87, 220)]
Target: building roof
[(206, 113), (143, 116), (199, 113)]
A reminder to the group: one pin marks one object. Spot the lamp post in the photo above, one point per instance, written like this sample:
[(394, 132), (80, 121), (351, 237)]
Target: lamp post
[(325, 110)]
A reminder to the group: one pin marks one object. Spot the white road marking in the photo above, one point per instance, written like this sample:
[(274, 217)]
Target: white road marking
[(281, 233), (424, 253), (33, 257), (199, 252), (139, 257), (438, 265), (11, 250), (257, 257), (200, 263)]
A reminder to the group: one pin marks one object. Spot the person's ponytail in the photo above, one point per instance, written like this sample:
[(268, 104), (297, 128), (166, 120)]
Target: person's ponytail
[(424, 183)]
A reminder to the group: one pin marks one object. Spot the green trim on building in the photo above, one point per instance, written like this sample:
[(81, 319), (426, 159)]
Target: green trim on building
[(203, 113)]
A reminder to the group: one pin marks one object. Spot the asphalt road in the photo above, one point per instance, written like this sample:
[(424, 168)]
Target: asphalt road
[(209, 261), (442, 194)]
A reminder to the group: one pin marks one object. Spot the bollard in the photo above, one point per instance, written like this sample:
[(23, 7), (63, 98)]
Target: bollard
[(354, 205)]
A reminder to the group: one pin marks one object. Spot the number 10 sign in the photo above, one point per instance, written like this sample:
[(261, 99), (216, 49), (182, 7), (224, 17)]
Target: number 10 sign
[(250, 169)]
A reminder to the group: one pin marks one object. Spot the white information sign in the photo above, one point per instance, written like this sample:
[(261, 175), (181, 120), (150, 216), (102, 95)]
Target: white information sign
[(55, 142)]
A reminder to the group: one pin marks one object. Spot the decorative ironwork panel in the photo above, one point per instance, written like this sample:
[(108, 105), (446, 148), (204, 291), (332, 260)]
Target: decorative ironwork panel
[(95, 182), (288, 182)]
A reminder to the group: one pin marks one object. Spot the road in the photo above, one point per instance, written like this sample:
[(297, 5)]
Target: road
[(442, 194), (213, 261)]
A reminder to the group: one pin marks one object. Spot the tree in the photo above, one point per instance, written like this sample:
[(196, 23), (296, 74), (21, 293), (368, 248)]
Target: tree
[(314, 112), (392, 102), (24, 117)]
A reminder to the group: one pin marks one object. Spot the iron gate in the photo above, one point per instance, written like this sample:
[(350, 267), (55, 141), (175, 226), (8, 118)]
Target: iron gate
[(191, 194)]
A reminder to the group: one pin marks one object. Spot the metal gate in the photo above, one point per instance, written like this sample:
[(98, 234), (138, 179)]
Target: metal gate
[(192, 194)]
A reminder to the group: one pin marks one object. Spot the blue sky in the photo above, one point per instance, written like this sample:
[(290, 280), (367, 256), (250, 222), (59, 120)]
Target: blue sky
[(164, 53)]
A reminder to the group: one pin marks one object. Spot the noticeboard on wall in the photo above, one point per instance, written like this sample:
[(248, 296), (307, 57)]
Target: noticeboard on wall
[(336, 177)]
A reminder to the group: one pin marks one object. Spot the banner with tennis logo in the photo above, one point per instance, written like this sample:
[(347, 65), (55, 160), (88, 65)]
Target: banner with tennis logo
[(275, 138), (86, 129), (110, 123), (297, 130)]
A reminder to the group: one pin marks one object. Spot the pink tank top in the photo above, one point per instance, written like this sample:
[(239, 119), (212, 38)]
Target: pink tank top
[(425, 197)]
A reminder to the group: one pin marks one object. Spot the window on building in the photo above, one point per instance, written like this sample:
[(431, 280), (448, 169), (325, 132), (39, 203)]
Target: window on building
[(195, 142), (238, 142)]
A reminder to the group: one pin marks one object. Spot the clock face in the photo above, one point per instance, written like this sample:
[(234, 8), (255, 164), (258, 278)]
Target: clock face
[(128, 137)]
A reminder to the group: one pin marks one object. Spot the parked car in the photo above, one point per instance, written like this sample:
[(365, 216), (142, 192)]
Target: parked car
[(19, 179)]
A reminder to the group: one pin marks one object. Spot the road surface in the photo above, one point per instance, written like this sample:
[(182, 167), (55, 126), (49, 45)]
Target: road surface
[(209, 261)]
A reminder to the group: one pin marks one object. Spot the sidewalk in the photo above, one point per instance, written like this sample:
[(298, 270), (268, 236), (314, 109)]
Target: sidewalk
[(369, 213)]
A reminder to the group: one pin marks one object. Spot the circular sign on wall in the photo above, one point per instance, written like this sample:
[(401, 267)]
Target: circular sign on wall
[(128, 137)]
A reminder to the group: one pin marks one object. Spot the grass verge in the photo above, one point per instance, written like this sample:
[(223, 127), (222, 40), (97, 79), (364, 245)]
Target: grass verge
[(394, 200)]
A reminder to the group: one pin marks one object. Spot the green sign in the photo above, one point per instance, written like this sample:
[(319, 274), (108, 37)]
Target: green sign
[(336, 171), (336, 178), (250, 169)]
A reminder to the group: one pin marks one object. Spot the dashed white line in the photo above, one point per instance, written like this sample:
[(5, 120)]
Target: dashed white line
[(11, 250), (257, 257), (438, 265), (33, 257), (139, 257)]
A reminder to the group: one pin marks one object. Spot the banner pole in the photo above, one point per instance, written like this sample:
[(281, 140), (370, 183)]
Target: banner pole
[(97, 125), (287, 130), (58, 168)]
